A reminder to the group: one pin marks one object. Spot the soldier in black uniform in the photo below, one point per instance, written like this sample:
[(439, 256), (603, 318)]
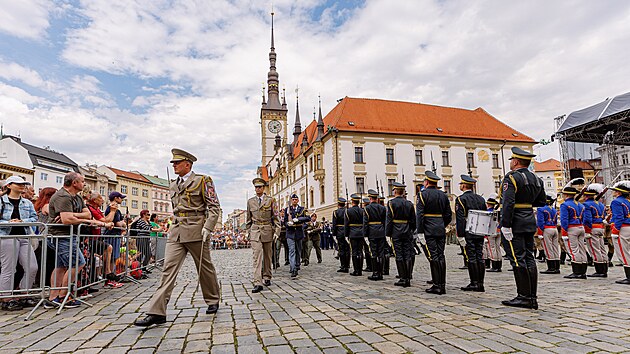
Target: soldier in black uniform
[(521, 191), (367, 251), (400, 224), (389, 252), (469, 200), (353, 230), (338, 218), (374, 230), (433, 213)]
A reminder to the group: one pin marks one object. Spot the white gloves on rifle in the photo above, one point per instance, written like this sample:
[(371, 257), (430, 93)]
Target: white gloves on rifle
[(419, 238), (507, 233), (296, 220)]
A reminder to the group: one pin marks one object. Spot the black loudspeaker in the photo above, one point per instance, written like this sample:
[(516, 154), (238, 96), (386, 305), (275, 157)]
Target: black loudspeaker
[(576, 173)]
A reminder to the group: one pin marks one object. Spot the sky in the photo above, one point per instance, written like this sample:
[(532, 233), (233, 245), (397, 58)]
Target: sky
[(121, 82)]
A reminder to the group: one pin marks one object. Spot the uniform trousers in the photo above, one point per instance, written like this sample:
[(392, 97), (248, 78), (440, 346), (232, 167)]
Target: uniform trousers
[(550, 244), (622, 245), (494, 247), (520, 250), (596, 247), (434, 248), (343, 246), (262, 261), (315, 243), (474, 248), (295, 253), (575, 244), (175, 255), (357, 246), (377, 246)]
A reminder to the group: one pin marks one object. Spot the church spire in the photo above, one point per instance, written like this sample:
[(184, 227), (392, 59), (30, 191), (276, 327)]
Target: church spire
[(320, 123), (273, 100), (297, 129)]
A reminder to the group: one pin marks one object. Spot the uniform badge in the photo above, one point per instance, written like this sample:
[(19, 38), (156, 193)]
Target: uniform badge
[(505, 186)]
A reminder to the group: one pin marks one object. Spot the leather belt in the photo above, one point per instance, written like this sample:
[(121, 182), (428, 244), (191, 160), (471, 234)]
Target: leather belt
[(433, 215), (356, 225), (185, 214), (340, 225), (262, 223), (522, 206), (401, 221), (375, 223)]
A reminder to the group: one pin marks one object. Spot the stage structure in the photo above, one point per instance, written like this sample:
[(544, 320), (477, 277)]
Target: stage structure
[(606, 124)]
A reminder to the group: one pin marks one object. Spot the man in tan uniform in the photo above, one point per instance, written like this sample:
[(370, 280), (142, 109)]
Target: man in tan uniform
[(263, 225), (196, 210)]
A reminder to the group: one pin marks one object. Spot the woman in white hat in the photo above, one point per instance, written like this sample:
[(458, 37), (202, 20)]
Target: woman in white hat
[(16, 209)]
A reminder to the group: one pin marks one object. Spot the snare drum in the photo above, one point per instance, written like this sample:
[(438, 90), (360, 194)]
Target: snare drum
[(481, 222)]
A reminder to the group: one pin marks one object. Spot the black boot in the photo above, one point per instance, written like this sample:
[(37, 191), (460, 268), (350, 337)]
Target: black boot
[(627, 280), (409, 269), (599, 271), (472, 274), (357, 264), (550, 268), (481, 274), (610, 257), (523, 289), (442, 275), (402, 272), (533, 288), (563, 257), (583, 268), (589, 260), (377, 269), (435, 276), (386, 265), (496, 266), (487, 263), (575, 271)]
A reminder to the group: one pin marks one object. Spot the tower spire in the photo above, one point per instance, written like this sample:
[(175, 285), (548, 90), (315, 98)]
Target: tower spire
[(297, 128), (273, 99), (320, 122)]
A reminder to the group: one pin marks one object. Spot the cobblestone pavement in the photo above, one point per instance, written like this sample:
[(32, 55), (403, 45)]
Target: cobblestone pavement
[(325, 311)]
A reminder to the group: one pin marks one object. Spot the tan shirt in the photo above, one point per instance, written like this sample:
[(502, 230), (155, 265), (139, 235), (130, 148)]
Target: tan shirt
[(195, 207), (262, 218)]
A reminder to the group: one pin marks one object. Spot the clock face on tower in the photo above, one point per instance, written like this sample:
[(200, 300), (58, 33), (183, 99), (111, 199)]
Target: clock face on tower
[(274, 126)]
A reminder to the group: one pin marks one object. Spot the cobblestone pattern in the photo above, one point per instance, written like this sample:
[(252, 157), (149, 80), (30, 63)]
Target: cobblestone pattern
[(329, 312)]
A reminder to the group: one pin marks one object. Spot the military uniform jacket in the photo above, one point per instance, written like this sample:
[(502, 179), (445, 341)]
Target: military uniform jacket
[(521, 191), (463, 204), (596, 211), (572, 214), (433, 212), (195, 207), (400, 221), (338, 220), (262, 219), (620, 209), (353, 223), (374, 217), (295, 231), (313, 230)]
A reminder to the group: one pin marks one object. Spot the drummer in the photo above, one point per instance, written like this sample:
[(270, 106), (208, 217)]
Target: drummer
[(466, 202)]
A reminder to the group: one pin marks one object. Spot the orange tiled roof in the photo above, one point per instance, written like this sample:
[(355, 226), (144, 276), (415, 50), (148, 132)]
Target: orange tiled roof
[(130, 175), (396, 117), (573, 163), (264, 174), (547, 166)]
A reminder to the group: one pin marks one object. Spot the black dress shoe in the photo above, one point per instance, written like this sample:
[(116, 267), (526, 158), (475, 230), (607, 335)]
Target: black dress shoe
[(257, 289), (212, 309), (294, 274), (150, 320), (267, 282)]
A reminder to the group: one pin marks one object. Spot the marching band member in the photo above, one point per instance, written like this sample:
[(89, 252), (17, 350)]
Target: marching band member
[(494, 241), (620, 210), (547, 221), (595, 230), (572, 218)]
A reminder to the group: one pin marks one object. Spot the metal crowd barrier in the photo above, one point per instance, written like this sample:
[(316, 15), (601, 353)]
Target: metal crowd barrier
[(20, 250), (40, 253)]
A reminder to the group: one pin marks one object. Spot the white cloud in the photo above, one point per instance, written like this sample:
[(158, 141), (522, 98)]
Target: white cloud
[(17, 72), (25, 18), (525, 63)]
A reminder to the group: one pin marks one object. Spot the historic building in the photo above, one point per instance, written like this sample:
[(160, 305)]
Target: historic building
[(134, 186), (161, 201), (98, 181), (363, 142), (42, 167)]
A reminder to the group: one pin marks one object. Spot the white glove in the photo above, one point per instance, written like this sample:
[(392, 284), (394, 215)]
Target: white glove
[(587, 235), (421, 238), (507, 233), (540, 237), (289, 223), (205, 234), (296, 220)]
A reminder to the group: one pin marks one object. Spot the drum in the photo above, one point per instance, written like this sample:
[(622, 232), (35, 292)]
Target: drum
[(481, 222)]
